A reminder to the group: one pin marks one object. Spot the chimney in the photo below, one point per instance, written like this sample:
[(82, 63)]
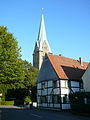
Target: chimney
[(60, 55), (81, 61)]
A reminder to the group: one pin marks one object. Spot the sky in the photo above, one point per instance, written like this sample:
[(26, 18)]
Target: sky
[(67, 25)]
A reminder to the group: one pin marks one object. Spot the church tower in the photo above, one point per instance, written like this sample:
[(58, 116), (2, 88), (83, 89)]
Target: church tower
[(41, 46)]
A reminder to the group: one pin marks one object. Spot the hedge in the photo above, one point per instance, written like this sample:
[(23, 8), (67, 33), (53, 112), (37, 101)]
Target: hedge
[(7, 102), (77, 101)]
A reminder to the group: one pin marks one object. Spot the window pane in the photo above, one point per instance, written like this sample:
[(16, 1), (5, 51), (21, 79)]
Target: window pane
[(54, 83), (65, 99)]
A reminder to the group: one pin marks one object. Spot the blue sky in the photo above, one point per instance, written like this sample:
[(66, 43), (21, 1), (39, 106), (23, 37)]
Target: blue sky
[(67, 25)]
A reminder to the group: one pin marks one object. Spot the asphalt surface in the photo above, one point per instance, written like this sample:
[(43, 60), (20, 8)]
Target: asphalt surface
[(16, 113)]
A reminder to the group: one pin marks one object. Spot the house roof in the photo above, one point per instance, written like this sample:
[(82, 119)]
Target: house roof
[(67, 68)]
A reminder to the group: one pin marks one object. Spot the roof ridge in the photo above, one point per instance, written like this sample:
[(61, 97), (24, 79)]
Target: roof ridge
[(67, 58)]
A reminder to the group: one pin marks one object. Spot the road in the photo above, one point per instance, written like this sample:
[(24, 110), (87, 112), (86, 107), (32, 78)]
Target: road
[(27, 114)]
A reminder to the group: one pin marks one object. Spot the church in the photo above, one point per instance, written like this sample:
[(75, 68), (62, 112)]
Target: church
[(41, 46), (58, 75)]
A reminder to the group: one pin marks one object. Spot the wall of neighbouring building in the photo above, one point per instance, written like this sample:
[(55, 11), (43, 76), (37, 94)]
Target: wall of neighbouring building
[(86, 79)]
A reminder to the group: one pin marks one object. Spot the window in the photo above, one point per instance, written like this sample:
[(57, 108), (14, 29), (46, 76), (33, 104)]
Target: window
[(50, 99), (43, 99), (81, 85), (88, 100), (43, 85), (56, 99), (65, 99), (54, 83)]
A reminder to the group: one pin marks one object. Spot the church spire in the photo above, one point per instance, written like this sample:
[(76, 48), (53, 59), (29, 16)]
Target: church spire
[(41, 46), (42, 35)]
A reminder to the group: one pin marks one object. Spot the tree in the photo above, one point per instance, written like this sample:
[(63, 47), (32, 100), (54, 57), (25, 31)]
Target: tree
[(11, 69), (30, 75), (30, 79), (14, 72)]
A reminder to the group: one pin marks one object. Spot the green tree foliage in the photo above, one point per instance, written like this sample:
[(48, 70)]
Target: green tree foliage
[(30, 74), (27, 99), (11, 70), (15, 73), (30, 79)]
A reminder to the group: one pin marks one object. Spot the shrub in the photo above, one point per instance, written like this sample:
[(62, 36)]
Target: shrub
[(7, 102), (27, 100), (18, 102), (77, 101)]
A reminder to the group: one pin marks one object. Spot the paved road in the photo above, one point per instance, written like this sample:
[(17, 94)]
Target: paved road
[(27, 114)]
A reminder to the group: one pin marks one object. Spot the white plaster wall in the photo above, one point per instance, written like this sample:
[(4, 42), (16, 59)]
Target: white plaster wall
[(64, 91), (86, 79), (39, 86), (58, 83), (34, 104), (50, 83), (66, 106), (74, 84), (64, 83)]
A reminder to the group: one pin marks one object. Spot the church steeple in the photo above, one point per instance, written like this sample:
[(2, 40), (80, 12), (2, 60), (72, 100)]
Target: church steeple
[(41, 45)]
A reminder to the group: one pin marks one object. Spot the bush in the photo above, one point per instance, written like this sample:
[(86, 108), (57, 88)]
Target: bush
[(27, 100), (18, 102), (16, 94), (7, 102), (77, 101)]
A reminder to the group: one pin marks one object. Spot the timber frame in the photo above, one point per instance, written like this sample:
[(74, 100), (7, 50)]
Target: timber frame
[(54, 96)]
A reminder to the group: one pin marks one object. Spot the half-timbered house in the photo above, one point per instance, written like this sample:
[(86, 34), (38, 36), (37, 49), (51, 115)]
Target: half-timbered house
[(58, 77)]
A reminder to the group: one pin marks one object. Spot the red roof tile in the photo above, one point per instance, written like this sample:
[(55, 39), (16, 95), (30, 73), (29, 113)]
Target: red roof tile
[(67, 68)]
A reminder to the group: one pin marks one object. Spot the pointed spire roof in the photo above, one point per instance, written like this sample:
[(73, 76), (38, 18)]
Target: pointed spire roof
[(42, 36)]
